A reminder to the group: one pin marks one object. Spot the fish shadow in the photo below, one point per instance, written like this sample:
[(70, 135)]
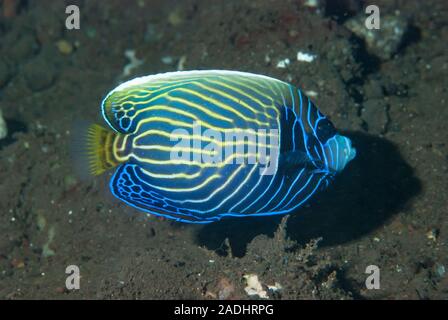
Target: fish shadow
[(374, 187), (14, 126)]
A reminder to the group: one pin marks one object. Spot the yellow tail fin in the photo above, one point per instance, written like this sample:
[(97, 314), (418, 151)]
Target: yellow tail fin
[(92, 149)]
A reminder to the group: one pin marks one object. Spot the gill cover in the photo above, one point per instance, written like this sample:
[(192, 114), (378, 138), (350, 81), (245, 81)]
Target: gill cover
[(339, 152)]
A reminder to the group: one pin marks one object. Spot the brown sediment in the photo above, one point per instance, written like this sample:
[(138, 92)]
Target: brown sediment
[(388, 209), (10, 8)]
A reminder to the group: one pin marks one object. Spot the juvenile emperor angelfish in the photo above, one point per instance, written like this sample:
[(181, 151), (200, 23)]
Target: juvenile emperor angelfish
[(198, 146)]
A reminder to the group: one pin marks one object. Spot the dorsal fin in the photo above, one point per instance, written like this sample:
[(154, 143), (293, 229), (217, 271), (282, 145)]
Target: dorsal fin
[(122, 103)]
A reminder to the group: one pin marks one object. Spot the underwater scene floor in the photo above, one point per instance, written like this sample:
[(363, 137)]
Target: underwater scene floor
[(386, 91)]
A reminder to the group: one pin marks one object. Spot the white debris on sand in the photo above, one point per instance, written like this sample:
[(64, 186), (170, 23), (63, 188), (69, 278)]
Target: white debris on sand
[(254, 287), (167, 60), (282, 64), (301, 57), (311, 93), (305, 57), (311, 3), (134, 62), (181, 63), (3, 127), (387, 41), (267, 58), (275, 287)]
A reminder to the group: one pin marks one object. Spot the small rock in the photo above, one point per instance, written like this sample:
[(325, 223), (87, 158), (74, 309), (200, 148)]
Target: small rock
[(432, 234), (10, 8), (225, 289), (282, 64), (152, 34), (91, 32), (64, 47), (5, 73), (254, 287), (176, 17), (311, 94), (311, 3), (69, 182), (440, 270), (167, 60), (181, 63), (373, 90), (275, 287), (375, 114), (50, 29), (39, 74), (41, 222), (134, 62), (383, 42), (394, 89), (17, 263), (23, 48), (61, 290), (3, 127), (46, 250), (306, 57)]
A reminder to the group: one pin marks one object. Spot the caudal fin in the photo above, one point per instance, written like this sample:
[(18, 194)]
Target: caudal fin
[(92, 149)]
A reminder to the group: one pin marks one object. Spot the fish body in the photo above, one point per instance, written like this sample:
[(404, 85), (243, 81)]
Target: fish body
[(197, 146)]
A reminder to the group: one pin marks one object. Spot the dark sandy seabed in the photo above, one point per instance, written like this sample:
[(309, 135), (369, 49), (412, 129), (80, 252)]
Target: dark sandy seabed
[(389, 207)]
